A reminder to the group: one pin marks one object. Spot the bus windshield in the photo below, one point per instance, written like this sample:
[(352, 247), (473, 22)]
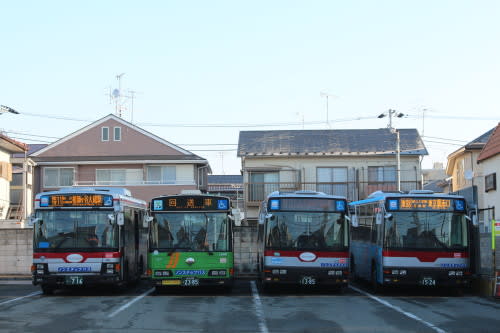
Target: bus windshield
[(193, 231), (75, 229), (426, 230), (307, 231)]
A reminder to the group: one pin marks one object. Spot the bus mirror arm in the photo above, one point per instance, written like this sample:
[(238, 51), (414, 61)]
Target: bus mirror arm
[(388, 216), (111, 218)]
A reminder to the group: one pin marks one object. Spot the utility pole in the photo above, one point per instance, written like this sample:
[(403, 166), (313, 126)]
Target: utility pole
[(393, 130)]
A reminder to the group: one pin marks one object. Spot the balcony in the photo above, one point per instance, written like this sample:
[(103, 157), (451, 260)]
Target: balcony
[(255, 192)]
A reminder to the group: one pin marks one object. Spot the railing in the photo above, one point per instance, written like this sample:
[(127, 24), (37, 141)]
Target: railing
[(256, 192), (131, 183)]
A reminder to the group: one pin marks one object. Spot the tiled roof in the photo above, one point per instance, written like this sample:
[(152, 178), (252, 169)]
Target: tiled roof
[(480, 141), (12, 145), (330, 142), (32, 147), (492, 147)]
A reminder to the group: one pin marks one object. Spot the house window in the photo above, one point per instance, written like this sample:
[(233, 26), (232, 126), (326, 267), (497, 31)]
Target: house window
[(381, 178), (119, 177), (117, 134), (105, 134), (57, 177), (490, 182), (383, 174), (161, 174), (6, 171), (262, 184), (332, 180)]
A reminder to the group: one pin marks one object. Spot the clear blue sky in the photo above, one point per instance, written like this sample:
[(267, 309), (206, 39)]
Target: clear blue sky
[(253, 63)]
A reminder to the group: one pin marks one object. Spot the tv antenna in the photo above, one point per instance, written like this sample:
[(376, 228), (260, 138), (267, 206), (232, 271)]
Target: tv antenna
[(324, 94), (120, 97)]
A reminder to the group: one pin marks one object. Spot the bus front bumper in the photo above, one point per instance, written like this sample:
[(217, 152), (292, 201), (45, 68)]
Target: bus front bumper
[(427, 277)]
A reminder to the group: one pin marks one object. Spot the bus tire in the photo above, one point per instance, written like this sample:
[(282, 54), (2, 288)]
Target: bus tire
[(376, 287), (47, 290)]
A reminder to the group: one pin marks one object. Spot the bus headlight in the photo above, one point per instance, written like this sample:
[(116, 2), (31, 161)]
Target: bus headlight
[(110, 268), (402, 272), (459, 273), (215, 272), (451, 273), (276, 271), (162, 273), (40, 269)]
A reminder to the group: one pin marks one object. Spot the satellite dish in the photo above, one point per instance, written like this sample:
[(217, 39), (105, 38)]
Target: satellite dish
[(469, 174), (116, 93)]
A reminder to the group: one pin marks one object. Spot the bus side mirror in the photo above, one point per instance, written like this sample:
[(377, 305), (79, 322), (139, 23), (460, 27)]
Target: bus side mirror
[(236, 217), (388, 216), (111, 218), (354, 221), (32, 220), (120, 219), (147, 219), (475, 220)]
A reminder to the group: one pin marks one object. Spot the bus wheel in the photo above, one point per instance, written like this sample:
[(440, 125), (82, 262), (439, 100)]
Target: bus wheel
[(47, 290), (374, 284)]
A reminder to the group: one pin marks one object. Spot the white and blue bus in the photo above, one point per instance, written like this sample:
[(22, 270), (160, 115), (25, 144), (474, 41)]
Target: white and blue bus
[(303, 239), (416, 238), (88, 236)]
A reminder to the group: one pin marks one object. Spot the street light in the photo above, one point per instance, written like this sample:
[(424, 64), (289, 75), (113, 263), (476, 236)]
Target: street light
[(5, 109), (391, 113)]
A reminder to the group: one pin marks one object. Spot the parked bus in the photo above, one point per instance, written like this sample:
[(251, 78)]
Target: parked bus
[(303, 239), (416, 238), (87, 236), (191, 241)]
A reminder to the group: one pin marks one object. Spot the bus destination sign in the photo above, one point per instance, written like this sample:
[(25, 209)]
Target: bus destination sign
[(307, 204), (426, 204), (190, 203), (76, 200)]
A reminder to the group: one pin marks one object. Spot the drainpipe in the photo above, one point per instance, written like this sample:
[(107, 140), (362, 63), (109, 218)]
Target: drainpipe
[(200, 176)]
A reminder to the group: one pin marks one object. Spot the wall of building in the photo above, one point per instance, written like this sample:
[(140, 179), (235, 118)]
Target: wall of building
[(492, 197), (16, 251), (4, 187), (245, 251)]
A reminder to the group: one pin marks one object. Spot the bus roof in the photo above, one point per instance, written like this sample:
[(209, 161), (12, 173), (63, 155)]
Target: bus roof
[(304, 194), (382, 195), (120, 193)]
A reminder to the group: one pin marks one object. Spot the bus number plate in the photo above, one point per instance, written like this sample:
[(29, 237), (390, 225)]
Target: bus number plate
[(428, 281), (73, 280), (308, 280), (190, 282)]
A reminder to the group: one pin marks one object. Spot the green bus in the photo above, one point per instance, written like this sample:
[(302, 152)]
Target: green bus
[(191, 241)]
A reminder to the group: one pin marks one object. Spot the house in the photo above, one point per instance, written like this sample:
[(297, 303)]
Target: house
[(489, 160), (227, 185), (21, 187), (463, 168), (8, 146), (351, 163), (114, 152)]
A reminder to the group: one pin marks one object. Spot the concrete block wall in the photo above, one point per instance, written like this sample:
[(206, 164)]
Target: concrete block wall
[(245, 251), (16, 251)]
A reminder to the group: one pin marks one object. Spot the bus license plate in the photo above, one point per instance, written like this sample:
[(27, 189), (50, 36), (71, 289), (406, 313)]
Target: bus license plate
[(73, 280), (191, 282), (428, 281), (308, 280)]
